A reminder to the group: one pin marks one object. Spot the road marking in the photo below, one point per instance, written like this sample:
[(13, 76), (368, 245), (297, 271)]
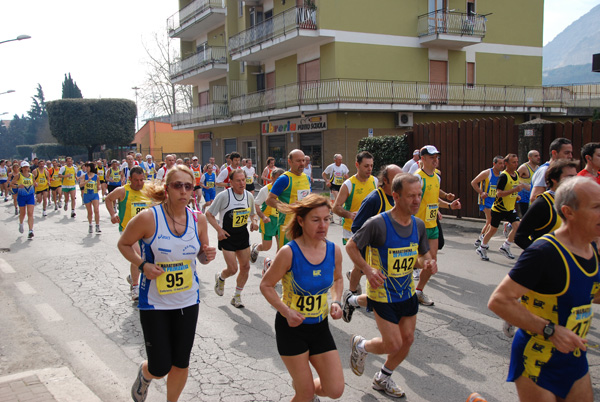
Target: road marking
[(86, 355), (25, 288), (5, 267), (48, 312)]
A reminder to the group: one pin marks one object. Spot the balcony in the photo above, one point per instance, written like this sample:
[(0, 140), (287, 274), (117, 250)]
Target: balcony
[(450, 29), (196, 18), (288, 31), (200, 115), (344, 94), (206, 64)]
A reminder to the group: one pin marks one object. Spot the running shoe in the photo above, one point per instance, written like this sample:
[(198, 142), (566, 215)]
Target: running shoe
[(21, 230), (5, 199), (477, 243), (139, 390), (508, 329), (388, 386), (236, 301), (90, 229), (44, 213), (424, 299), (347, 308), (55, 207), (73, 214), (135, 292), (505, 251), (30, 235), (482, 251), (254, 253), (98, 229), (60, 204), (66, 206), (266, 266), (358, 287), (130, 282), (507, 229), (219, 285), (16, 211), (357, 358), (416, 274)]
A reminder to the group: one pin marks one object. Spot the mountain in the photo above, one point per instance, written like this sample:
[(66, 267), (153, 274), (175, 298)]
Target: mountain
[(567, 54)]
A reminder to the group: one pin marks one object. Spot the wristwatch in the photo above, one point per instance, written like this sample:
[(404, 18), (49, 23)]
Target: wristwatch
[(141, 267), (548, 330)]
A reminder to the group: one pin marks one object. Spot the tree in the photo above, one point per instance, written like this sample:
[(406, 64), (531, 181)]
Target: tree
[(92, 122), (37, 130), (12, 136), (160, 97), (70, 90)]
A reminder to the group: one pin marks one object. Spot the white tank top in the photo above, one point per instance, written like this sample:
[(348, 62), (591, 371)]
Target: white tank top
[(178, 286)]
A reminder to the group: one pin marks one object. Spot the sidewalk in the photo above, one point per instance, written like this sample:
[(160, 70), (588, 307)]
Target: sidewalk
[(46, 385)]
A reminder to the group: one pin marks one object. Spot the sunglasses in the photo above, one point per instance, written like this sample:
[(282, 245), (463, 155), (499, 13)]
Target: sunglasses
[(178, 185)]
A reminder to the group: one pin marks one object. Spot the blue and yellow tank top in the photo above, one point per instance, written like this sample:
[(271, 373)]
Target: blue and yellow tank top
[(209, 181), (268, 210), (91, 187), (525, 193), (305, 285), (489, 186), (114, 177), (133, 203), (41, 180), (357, 194), (396, 259), (151, 170), (27, 183), (554, 221), (571, 308), (69, 179)]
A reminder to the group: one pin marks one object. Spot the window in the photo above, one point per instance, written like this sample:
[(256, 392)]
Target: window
[(242, 67), (240, 8), (276, 149), (229, 146), (470, 75)]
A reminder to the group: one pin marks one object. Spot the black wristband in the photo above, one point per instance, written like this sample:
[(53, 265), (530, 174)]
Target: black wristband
[(141, 267)]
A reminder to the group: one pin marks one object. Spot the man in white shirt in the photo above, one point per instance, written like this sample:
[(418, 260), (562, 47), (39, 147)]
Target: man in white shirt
[(250, 175), (335, 174), (223, 177), (560, 148), (414, 161), (308, 167), (161, 174)]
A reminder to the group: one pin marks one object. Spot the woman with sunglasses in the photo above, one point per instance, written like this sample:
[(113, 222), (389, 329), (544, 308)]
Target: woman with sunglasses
[(171, 239), (308, 266)]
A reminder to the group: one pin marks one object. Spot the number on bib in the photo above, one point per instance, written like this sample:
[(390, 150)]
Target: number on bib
[(401, 261), (137, 207), (310, 306), (579, 321), (492, 192), (432, 210), (240, 217), (176, 278)]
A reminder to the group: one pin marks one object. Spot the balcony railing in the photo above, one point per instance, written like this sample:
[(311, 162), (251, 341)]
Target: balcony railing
[(201, 114), (399, 92), (210, 55), (276, 26), (451, 23), (190, 11)]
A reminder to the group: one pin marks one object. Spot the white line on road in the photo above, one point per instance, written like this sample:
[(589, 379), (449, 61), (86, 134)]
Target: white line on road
[(5, 267), (25, 288), (86, 355), (48, 312)]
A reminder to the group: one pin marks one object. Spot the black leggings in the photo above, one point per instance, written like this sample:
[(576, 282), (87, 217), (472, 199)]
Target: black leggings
[(169, 336)]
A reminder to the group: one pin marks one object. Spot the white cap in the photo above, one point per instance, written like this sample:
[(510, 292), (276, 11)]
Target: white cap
[(24, 164), (148, 156), (194, 158), (429, 150), (416, 152)]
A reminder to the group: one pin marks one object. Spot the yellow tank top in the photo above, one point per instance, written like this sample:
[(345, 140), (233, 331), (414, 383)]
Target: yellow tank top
[(69, 179), (507, 203), (430, 190), (100, 173), (359, 192), (267, 209), (54, 179), (41, 179), (133, 203)]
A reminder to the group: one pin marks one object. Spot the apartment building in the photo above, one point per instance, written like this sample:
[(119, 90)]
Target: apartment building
[(269, 76)]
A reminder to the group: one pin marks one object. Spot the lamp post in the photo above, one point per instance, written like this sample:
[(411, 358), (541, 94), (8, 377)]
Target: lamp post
[(20, 37), (10, 91), (137, 114)]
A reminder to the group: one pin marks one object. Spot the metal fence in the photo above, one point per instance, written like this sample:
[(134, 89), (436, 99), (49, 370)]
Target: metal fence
[(192, 10), (278, 25), (451, 22), (209, 55)]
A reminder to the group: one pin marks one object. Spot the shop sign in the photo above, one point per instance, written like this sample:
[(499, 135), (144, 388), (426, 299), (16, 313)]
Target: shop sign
[(297, 125)]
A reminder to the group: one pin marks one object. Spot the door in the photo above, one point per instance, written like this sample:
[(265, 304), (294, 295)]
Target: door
[(438, 81), (206, 152), (276, 149), (312, 145), (437, 16)]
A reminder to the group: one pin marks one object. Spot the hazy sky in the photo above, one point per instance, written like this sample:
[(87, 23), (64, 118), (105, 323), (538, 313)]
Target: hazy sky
[(100, 44)]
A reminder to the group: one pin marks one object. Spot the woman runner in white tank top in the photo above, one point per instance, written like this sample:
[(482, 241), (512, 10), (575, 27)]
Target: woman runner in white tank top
[(172, 237)]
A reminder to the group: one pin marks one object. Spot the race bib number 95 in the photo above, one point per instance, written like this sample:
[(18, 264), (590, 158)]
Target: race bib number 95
[(176, 278)]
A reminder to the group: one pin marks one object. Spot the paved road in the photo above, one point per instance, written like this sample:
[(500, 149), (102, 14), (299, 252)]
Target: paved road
[(65, 304)]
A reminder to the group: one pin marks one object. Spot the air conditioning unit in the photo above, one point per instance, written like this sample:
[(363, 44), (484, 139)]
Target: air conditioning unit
[(404, 119), (533, 116)]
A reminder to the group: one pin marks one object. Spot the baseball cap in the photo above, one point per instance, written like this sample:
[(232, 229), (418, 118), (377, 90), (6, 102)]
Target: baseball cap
[(24, 164), (194, 158), (416, 152), (429, 150), (148, 156), (114, 161)]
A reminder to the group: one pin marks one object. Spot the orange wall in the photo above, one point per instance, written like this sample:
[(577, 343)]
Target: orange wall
[(155, 135)]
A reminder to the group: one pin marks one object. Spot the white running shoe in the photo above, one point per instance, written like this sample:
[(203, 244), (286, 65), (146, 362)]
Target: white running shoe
[(98, 229), (477, 242), (30, 236), (139, 390), (508, 329), (416, 274), (44, 213), (266, 266), (219, 285), (236, 301), (424, 299), (21, 230), (90, 229), (506, 252), (66, 206), (347, 308), (388, 386), (482, 251), (358, 287), (254, 253), (507, 229), (135, 292), (357, 358)]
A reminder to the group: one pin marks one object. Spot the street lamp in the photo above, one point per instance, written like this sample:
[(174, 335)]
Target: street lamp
[(20, 37), (137, 114), (10, 91)]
